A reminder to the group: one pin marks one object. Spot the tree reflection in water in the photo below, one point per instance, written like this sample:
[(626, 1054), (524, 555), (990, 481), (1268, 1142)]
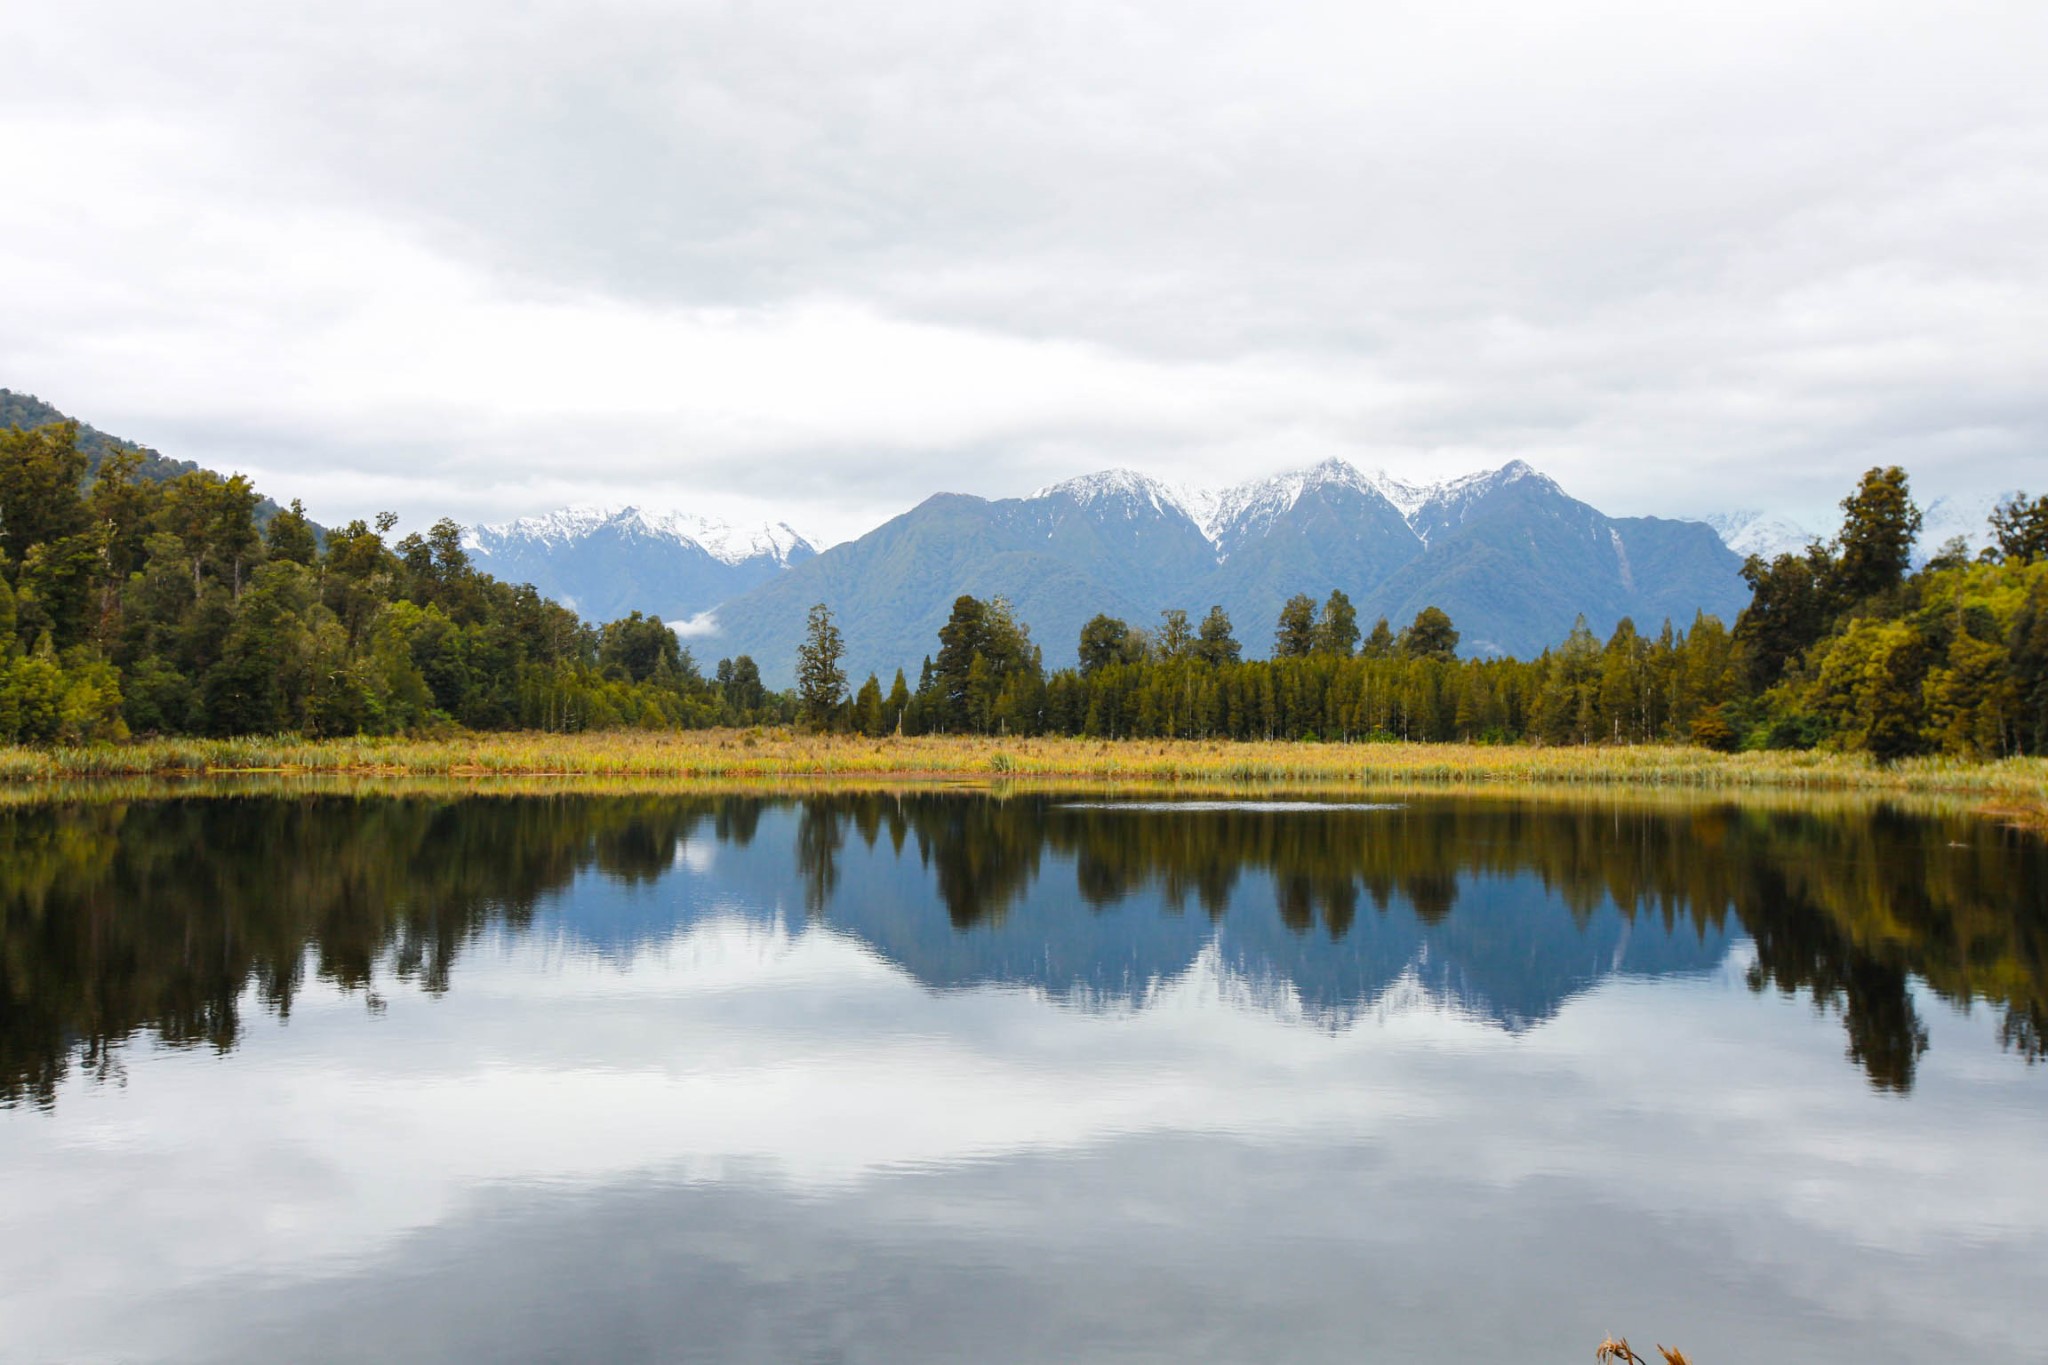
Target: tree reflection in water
[(166, 916)]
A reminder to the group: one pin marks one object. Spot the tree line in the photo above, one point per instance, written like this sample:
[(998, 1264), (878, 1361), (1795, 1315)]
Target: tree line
[(133, 605), (1843, 644), (366, 896), (133, 602)]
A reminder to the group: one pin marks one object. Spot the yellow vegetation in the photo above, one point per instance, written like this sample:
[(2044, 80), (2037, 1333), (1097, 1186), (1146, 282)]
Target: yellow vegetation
[(2020, 785)]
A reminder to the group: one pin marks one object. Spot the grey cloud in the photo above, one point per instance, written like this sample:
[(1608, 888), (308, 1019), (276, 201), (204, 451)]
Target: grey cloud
[(1338, 1251), (1722, 243)]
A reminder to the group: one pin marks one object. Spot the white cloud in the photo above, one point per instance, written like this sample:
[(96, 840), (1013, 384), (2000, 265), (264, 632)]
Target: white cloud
[(818, 263), (798, 1067)]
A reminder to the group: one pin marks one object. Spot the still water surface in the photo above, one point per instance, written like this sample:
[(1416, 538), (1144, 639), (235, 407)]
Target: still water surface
[(946, 1077)]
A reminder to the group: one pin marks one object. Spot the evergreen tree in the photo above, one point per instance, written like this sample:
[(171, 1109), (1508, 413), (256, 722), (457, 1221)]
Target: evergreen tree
[(1216, 643), (1430, 636), (741, 695), (1294, 637), (40, 502), (1176, 638), (962, 640), (290, 536), (1875, 547), (639, 648), (2019, 529), (1106, 640), (897, 706), (1786, 615), (986, 664), (2027, 662), (1337, 632), (1869, 689), (747, 690), (820, 682), (1567, 709), (867, 707), (1624, 686), (1379, 644)]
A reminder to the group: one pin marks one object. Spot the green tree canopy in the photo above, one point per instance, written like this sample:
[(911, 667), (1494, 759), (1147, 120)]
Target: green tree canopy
[(1431, 636), (1294, 637), (2019, 528), (820, 681), (1106, 640), (1875, 547), (1337, 633), (1216, 643)]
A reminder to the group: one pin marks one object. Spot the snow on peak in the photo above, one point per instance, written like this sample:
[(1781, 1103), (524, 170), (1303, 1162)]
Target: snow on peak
[(1127, 486), (722, 540), (1748, 531), (1230, 514), (1948, 517), (1258, 503), (1408, 498)]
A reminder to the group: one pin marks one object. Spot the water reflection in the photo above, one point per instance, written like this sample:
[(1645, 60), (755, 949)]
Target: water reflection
[(172, 917)]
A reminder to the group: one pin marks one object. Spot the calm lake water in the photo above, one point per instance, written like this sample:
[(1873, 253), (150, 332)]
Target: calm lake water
[(944, 1077)]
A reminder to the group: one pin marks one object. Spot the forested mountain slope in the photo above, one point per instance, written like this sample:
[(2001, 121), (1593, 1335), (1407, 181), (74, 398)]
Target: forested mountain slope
[(1509, 555), (27, 410)]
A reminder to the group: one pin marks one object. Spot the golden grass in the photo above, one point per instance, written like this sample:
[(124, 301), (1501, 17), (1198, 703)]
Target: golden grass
[(2018, 786), (252, 783)]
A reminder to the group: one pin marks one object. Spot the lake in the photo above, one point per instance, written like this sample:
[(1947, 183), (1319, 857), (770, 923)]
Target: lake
[(939, 1075)]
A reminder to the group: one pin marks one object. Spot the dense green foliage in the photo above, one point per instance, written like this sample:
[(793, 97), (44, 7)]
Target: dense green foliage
[(1840, 646), (150, 466), (136, 605), (1168, 683)]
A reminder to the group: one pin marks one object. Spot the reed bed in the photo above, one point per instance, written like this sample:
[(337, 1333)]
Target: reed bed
[(2018, 785)]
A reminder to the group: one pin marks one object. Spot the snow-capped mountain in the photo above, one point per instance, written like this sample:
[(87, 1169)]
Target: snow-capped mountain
[(607, 561), (1750, 532), (1507, 552), (1129, 492), (1249, 510), (721, 540), (1946, 518)]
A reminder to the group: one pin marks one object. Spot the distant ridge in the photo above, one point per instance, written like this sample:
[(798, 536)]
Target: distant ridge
[(1250, 509), (1750, 532), (1510, 555), (1507, 552), (607, 561), (27, 410)]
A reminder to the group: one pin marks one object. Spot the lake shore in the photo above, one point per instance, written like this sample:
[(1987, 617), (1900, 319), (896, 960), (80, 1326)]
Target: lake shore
[(2017, 787)]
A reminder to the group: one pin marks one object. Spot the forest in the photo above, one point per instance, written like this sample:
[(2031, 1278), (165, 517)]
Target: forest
[(134, 605), (141, 602), (1845, 646)]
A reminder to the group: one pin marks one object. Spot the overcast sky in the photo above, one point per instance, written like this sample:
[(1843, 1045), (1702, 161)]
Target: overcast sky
[(818, 261)]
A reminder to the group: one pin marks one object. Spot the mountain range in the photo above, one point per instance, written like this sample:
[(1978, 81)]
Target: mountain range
[(604, 562), (1496, 947), (1510, 555), (1944, 519), (1507, 553)]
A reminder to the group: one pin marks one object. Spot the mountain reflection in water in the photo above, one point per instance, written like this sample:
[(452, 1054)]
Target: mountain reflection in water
[(168, 917)]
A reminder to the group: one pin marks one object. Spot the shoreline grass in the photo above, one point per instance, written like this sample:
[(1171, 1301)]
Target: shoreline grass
[(2018, 786)]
